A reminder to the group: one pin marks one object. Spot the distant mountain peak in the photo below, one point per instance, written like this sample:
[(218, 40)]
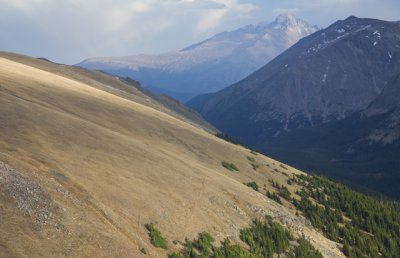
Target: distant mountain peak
[(352, 17), (286, 18), (214, 63), (284, 21)]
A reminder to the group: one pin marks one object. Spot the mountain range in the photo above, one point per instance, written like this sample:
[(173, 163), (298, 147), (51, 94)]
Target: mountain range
[(212, 64), (327, 104)]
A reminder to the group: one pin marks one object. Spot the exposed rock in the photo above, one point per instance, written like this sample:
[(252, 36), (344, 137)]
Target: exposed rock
[(27, 194)]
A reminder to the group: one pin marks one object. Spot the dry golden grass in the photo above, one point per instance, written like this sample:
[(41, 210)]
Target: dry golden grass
[(109, 163)]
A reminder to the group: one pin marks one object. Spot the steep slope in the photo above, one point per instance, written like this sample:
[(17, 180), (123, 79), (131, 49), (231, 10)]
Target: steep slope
[(337, 80), (362, 149), (123, 87), (83, 166), (209, 65)]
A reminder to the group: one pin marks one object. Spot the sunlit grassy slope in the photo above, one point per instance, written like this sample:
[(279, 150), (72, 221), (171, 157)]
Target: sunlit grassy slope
[(89, 165)]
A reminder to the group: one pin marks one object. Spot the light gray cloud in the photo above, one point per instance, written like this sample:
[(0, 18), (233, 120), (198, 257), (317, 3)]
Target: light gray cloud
[(212, 17), (279, 10)]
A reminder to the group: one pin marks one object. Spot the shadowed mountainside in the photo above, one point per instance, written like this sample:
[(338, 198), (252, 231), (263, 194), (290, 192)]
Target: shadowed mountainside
[(327, 104)]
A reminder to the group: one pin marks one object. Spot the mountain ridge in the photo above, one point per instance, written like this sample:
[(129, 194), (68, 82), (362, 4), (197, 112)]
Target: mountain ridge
[(213, 63), (333, 75)]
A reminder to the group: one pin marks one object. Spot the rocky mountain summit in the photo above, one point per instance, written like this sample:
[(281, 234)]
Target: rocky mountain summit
[(212, 64)]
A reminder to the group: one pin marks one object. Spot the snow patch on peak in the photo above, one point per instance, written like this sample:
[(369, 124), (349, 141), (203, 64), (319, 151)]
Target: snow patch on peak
[(377, 33), (289, 21)]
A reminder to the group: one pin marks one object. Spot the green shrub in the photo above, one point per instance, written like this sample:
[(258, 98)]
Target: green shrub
[(176, 255), (346, 249), (229, 166), (156, 238), (264, 239), (143, 250), (253, 185), (204, 243), (228, 250), (228, 139), (283, 166), (203, 247), (274, 197), (251, 159), (284, 193), (305, 250)]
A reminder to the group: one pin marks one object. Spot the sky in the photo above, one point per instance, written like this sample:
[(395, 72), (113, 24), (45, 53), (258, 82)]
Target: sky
[(68, 31)]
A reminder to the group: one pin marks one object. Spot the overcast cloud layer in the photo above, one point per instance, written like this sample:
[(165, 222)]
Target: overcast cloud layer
[(68, 31)]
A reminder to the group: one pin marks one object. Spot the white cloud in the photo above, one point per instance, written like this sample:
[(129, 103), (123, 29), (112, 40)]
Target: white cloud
[(140, 7), (117, 18), (277, 11), (212, 17), (335, 2), (25, 4), (209, 20)]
